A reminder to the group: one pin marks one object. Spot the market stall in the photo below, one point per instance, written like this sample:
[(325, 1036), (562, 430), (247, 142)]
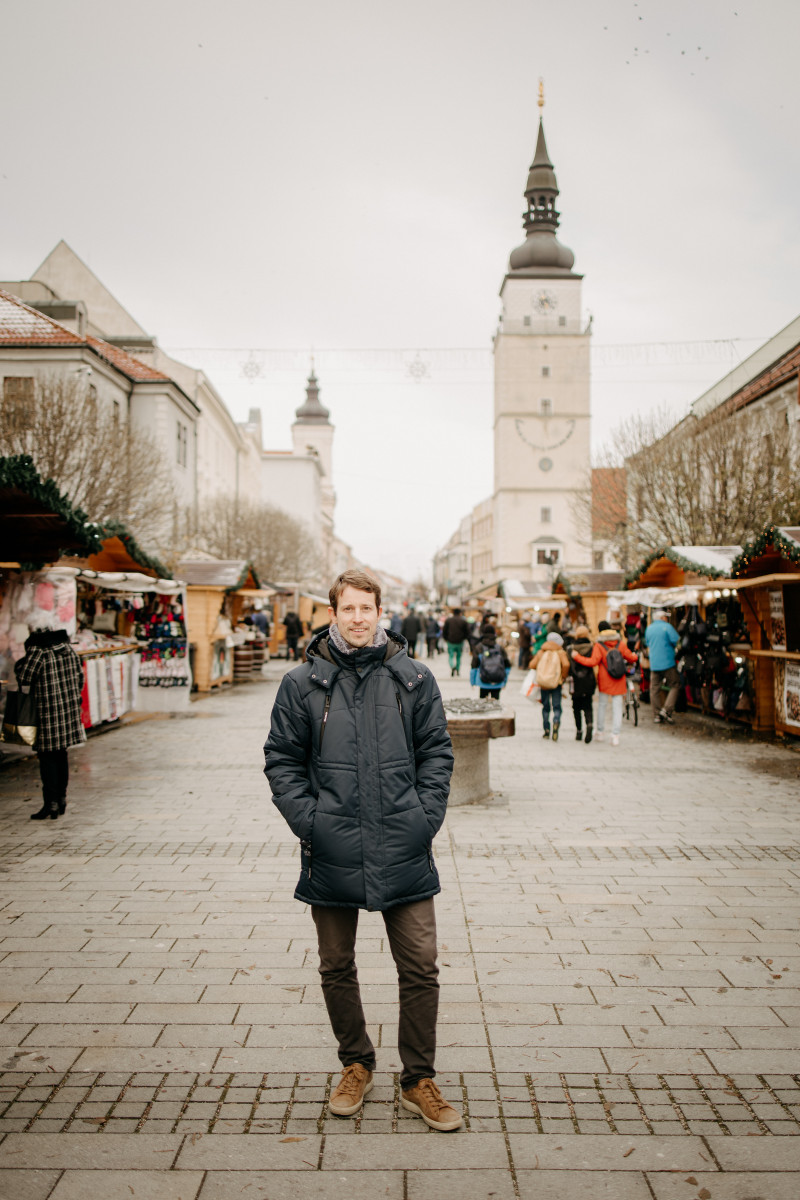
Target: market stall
[(219, 595), (766, 576), (713, 652)]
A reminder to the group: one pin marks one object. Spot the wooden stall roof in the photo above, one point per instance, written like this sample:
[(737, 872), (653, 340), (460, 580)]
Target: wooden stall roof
[(37, 523), (775, 551), (233, 574), (672, 566)]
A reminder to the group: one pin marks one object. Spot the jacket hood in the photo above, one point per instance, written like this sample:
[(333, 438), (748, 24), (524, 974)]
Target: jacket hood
[(609, 635), (583, 646)]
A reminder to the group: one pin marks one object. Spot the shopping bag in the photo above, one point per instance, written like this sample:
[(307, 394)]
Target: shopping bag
[(528, 683), (19, 719)]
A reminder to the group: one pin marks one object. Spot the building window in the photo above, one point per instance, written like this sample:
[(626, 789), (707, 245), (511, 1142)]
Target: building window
[(526, 320), (546, 407), (546, 515), (18, 398), (183, 445), (545, 372), (598, 560), (562, 321), (546, 558)]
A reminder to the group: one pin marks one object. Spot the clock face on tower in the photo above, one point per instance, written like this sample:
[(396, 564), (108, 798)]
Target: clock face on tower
[(544, 302)]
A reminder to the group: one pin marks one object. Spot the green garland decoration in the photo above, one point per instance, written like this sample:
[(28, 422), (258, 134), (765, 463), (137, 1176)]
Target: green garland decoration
[(564, 582), (140, 557), (685, 564), (772, 536), (19, 471)]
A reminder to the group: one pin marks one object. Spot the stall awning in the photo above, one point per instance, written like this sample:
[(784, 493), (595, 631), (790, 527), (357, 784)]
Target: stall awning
[(128, 581), (653, 597)]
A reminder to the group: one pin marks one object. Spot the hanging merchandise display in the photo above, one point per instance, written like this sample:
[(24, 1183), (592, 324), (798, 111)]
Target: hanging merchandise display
[(133, 641), (160, 629)]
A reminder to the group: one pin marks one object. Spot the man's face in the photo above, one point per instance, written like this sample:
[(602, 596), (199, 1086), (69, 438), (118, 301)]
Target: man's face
[(357, 616)]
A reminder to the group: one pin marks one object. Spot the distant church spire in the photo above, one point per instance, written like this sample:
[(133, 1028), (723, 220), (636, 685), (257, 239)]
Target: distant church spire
[(312, 412), (541, 252)]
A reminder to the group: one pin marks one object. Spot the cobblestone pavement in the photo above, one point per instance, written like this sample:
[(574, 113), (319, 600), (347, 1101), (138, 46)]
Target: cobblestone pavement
[(619, 953)]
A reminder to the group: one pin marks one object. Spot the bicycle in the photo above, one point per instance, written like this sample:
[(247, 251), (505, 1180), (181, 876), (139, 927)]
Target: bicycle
[(631, 700)]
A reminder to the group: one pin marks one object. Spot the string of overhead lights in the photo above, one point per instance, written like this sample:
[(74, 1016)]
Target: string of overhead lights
[(419, 364)]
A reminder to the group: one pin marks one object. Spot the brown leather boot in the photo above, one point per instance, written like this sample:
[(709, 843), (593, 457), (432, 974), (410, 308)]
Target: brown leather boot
[(349, 1095), (427, 1101)]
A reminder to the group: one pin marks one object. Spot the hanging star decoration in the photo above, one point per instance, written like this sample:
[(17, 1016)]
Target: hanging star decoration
[(419, 370), (252, 369)]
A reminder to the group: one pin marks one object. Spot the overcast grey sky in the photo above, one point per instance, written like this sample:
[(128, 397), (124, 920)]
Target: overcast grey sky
[(348, 175)]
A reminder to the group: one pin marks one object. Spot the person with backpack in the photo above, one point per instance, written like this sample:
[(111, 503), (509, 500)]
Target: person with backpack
[(610, 654), (552, 668), (582, 682), (490, 664)]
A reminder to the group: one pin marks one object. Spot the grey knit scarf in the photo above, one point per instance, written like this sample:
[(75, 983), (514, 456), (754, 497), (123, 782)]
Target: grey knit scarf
[(344, 647)]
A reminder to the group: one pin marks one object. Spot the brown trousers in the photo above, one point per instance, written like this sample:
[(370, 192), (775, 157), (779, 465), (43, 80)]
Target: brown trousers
[(411, 929)]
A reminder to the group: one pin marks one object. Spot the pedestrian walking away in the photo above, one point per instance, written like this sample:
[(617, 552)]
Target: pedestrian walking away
[(432, 632), (524, 630), (490, 666), (294, 631), (552, 668), (582, 683), (610, 654), (411, 629), (359, 761), (661, 638), (455, 633), (52, 669)]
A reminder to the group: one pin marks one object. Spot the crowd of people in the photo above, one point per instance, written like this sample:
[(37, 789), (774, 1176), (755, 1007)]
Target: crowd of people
[(562, 653)]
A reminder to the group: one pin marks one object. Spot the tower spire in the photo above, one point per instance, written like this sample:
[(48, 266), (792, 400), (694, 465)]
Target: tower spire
[(541, 249), (312, 412)]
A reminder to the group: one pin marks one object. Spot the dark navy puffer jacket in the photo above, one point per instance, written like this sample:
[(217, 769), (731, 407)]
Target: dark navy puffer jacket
[(359, 761)]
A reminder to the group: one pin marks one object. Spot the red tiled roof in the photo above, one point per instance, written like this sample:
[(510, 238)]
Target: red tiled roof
[(21, 325), (126, 363), (24, 326)]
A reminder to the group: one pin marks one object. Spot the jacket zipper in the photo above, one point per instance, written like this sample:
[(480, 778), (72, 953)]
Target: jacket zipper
[(324, 720)]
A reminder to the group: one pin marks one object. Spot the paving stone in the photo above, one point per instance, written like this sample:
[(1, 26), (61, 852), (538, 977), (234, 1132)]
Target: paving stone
[(27, 1185), (242, 1152), (321, 1185), (456, 1185), (88, 1150), (597, 1152), (121, 1185), (599, 1185), (736, 1185), (427, 1152)]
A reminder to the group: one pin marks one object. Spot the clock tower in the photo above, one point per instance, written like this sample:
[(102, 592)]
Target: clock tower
[(541, 396)]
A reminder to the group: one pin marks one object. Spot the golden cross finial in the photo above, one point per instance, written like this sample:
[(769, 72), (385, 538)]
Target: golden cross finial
[(541, 93)]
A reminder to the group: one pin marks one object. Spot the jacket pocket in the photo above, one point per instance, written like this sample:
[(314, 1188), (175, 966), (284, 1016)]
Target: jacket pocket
[(305, 857)]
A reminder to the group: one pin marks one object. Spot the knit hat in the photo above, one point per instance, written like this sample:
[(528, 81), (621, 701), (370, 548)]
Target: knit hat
[(659, 614), (603, 625), (581, 633), (555, 638)]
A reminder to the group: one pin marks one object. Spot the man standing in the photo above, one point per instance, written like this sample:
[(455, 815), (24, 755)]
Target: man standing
[(661, 638), (456, 632), (359, 761)]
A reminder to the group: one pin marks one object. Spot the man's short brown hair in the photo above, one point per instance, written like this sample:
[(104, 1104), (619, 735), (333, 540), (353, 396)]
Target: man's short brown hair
[(359, 580)]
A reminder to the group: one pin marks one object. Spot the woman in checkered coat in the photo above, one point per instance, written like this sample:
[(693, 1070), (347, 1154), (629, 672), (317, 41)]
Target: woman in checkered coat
[(52, 668)]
